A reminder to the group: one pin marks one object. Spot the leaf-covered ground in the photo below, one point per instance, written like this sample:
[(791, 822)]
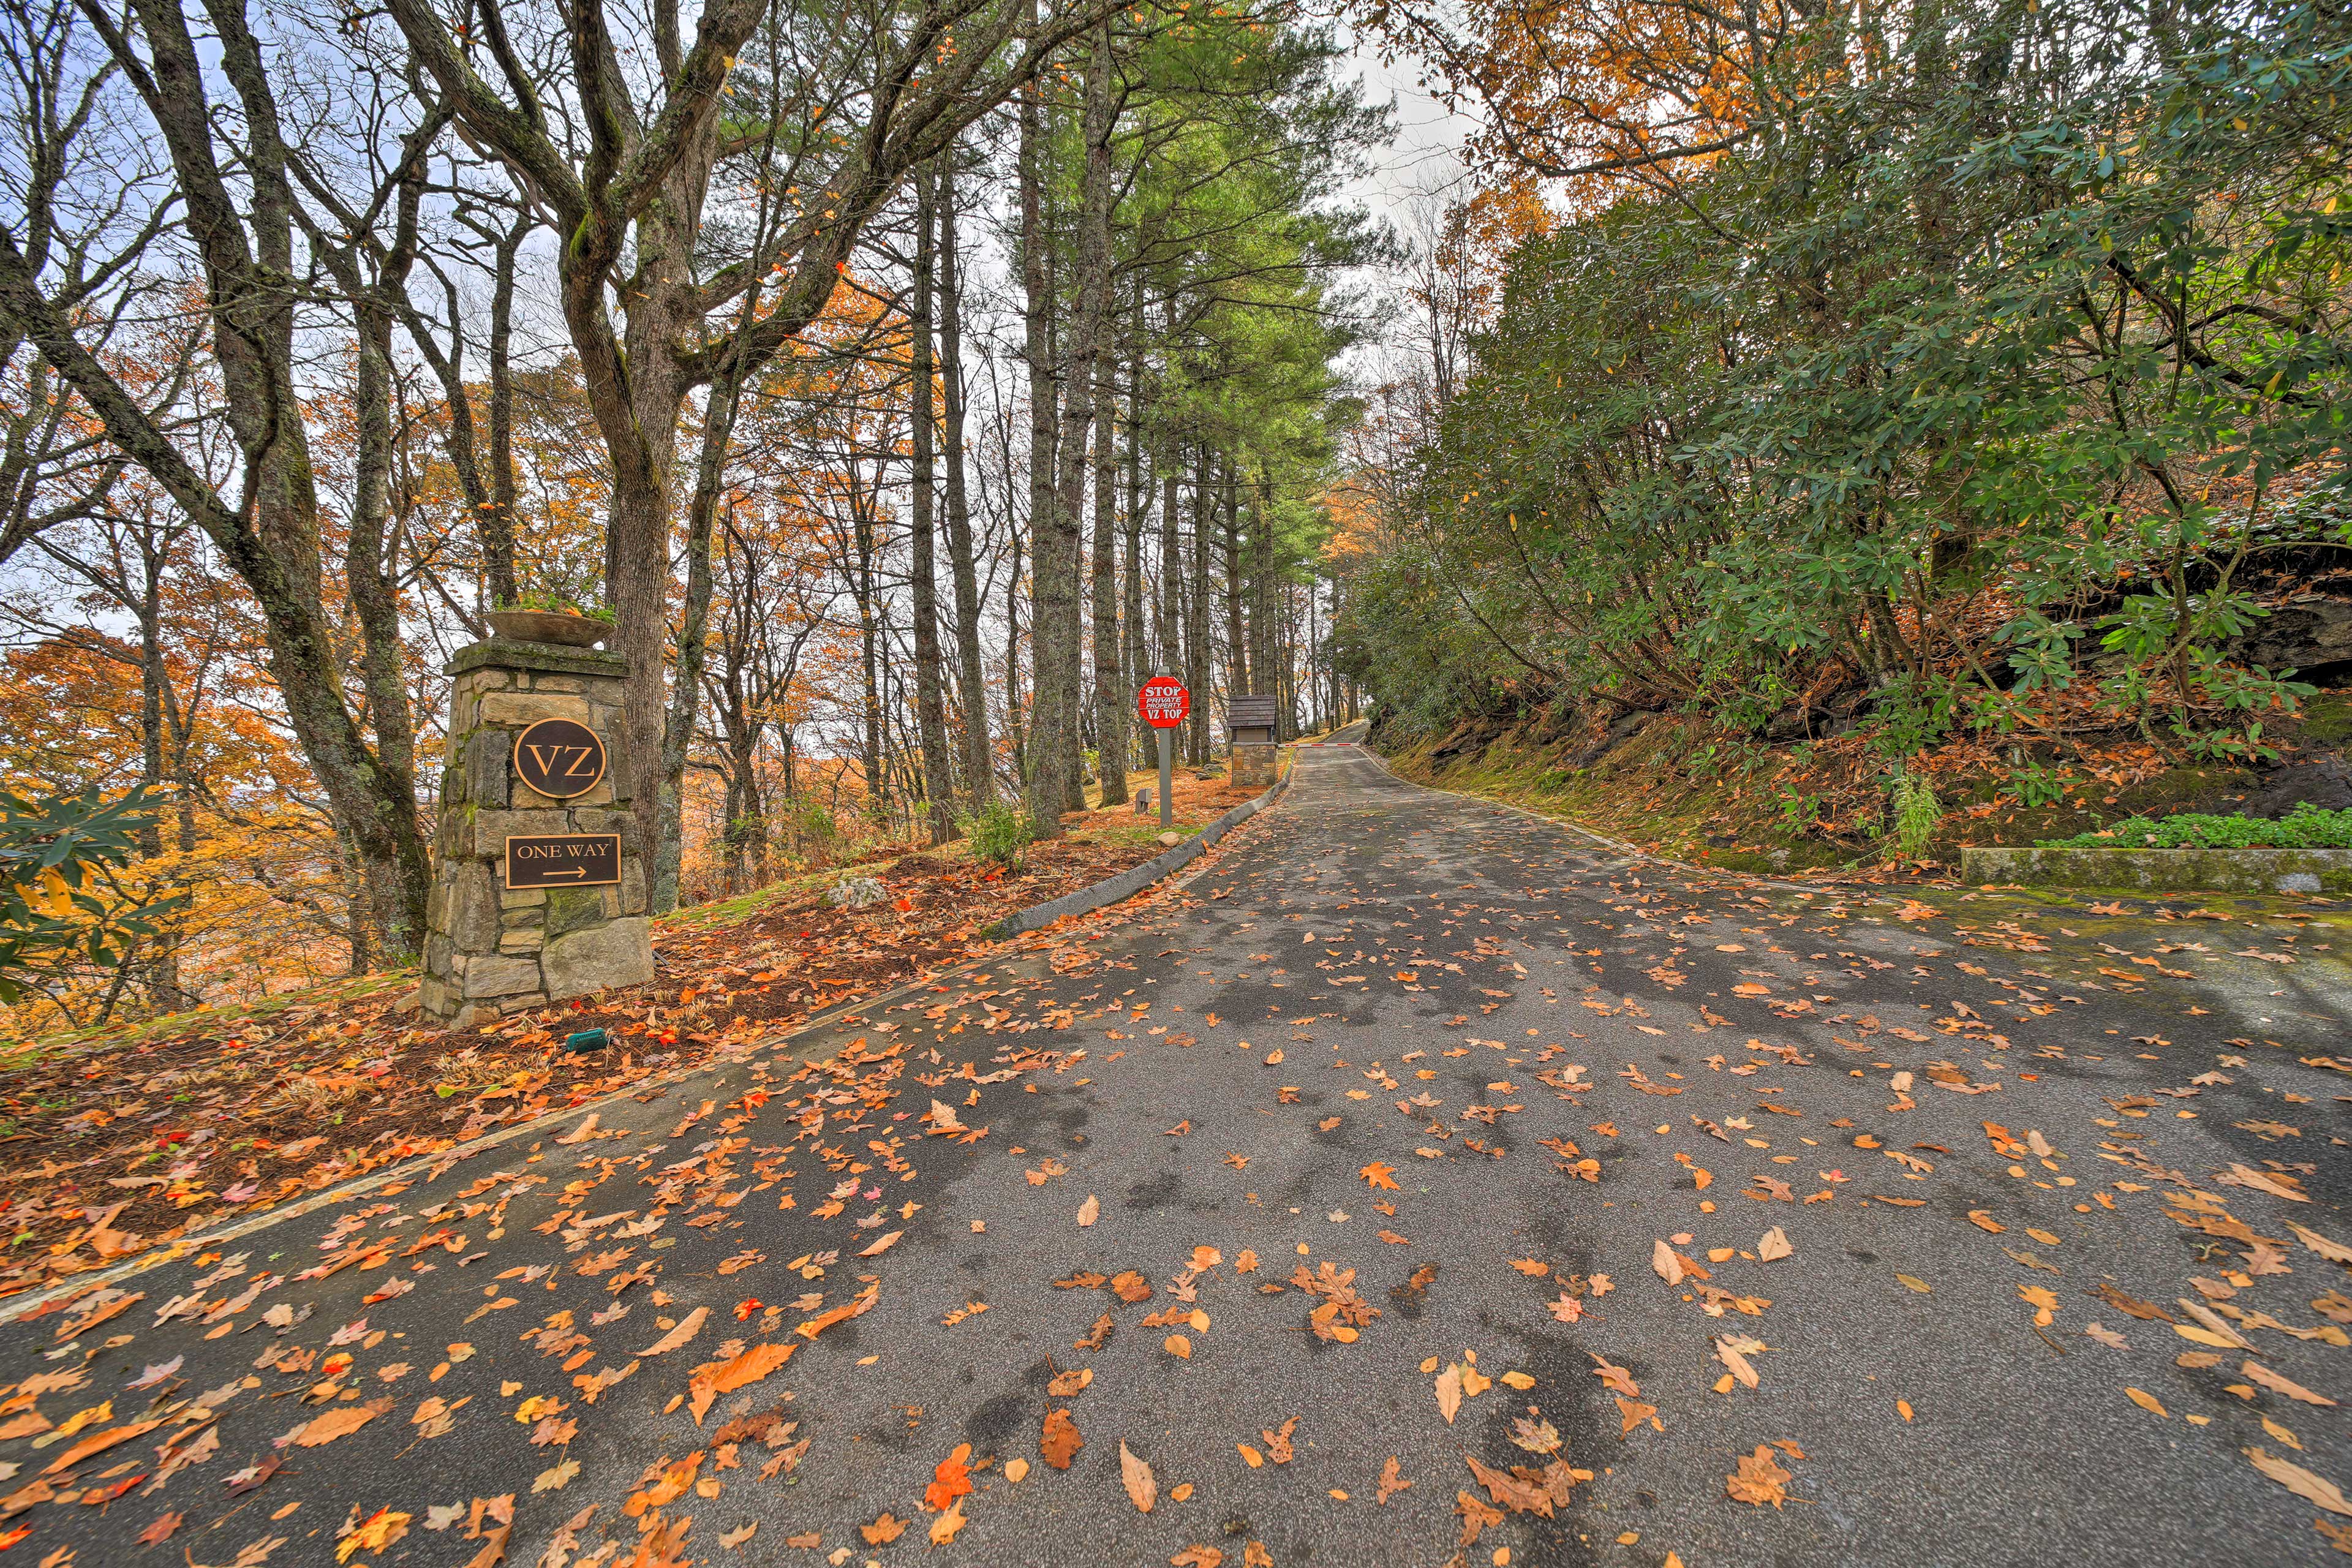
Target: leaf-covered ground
[(1421, 1184), (119, 1143)]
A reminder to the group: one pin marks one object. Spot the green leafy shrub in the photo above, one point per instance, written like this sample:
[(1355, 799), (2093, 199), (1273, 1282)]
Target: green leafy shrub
[(2306, 826), (55, 905), (1916, 813), (999, 832), (555, 601)]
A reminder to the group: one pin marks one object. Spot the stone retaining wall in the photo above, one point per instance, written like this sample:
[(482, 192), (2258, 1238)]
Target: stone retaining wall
[(2290, 871)]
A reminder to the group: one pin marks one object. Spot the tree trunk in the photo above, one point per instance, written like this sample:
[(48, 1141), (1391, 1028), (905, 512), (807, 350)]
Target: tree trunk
[(497, 525), (1237, 673), (1134, 659), (1088, 308), (1052, 590), (1196, 618), (693, 640), (980, 757), (930, 699), (1111, 687)]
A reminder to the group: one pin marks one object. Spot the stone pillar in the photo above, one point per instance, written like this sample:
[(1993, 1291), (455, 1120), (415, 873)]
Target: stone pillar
[(489, 949)]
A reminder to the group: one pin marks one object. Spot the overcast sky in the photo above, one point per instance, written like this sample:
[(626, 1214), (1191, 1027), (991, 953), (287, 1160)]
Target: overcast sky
[(1428, 135)]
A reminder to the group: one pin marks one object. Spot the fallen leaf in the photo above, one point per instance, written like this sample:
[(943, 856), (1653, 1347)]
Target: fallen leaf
[(340, 1423), (2278, 1383), (883, 1530), (1774, 1246), (1061, 1441), (741, 1372), (2303, 1483), (1380, 1176), (382, 1528), (1069, 1382), (881, 1244), (1449, 1392), (1534, 1269), (2146, 1401), (1759, 1480), (1535, 1435), (1615, 1378), (951, 1479), (688, 1326), (554, 1479), (1392, 1481), (1089, 1211), (1142, 1489)]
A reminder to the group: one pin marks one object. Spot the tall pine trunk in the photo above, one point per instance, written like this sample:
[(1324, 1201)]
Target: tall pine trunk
[(1110, 688), (931, 697), (1089, 313), (1053, 719), (979, 756), (1196, 616)]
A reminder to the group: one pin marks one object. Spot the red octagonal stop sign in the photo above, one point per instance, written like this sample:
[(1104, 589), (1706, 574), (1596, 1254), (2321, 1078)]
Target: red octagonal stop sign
[(1163, 702)]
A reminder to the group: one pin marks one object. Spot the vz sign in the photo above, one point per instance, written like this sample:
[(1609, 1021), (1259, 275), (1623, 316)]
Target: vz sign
[(560, 758)]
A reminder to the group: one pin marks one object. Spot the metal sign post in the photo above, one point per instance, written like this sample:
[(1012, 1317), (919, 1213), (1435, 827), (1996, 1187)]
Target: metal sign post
[(1163, 702), (1166, 775)]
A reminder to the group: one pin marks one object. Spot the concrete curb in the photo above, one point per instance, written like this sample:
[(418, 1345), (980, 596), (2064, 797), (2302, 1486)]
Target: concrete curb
[(1135, 878)]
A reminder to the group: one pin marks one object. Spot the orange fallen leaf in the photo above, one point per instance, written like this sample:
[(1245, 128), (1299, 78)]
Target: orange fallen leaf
[(728, 1377), (1061, 1442), (951, 1479), (1142, 1488), (1380, 1176), (1759, 1480), (883, 1530)]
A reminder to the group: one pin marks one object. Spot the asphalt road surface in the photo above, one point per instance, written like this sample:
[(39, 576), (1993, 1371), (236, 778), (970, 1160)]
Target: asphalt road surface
[(759, 1317)]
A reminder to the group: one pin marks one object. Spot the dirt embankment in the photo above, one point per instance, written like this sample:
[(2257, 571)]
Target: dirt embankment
[(1679, 785)]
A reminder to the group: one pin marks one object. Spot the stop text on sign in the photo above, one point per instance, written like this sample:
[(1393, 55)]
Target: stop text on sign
[(1163, 702), (563, 861)]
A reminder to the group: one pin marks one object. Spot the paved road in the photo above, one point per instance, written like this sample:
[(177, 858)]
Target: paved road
[(1374, 982)]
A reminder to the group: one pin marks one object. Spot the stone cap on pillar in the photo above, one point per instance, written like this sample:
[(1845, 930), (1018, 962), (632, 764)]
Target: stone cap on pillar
[(505, 653)]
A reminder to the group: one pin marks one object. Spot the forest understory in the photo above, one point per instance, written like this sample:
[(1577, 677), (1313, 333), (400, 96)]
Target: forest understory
[(1679, 785)]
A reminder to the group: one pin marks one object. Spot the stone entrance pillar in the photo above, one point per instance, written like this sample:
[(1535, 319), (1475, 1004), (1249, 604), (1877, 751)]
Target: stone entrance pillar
[(1249, 738), (578, 925)]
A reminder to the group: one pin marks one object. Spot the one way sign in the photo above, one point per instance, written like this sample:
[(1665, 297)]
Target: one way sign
[(563, 860)]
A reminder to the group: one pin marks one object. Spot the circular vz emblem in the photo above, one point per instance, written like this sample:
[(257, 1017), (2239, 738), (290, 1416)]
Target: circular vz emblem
[(560, 758)]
